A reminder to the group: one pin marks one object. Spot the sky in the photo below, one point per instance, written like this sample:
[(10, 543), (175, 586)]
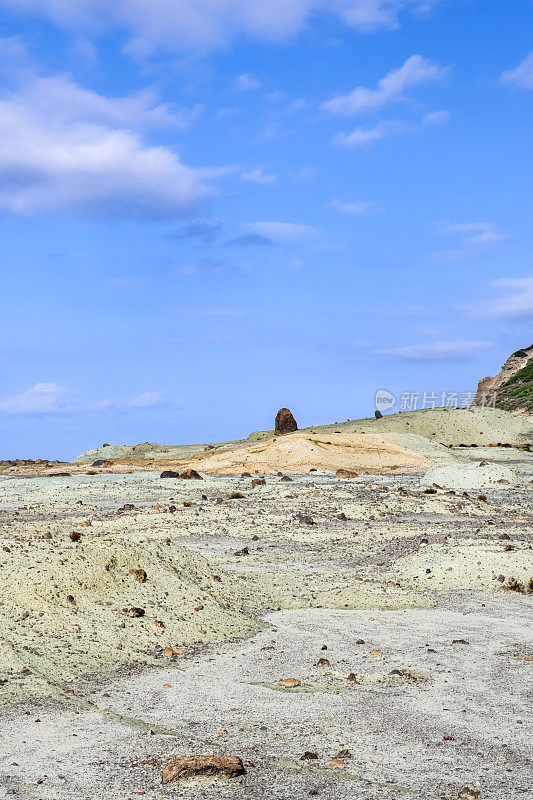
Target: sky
[(210, 209)]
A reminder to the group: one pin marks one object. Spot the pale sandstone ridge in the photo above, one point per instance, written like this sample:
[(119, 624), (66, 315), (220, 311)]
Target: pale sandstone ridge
[(512, 388), (302, 452)]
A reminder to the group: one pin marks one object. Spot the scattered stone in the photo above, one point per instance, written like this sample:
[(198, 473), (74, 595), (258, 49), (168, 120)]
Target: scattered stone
[(378, 414), (290, 683), (467, 793), (75, 536), (258, 482), (193, 766), (236, 496), (343, 754), (337, 763), (127, 507), (168, 473), (169, 651), (309, 756), (244, 552), (376, 653), (323, 662), (504, 536), (133, 611), (360, 641), (304, 519), (285, 422), (342, 516), (346, 473), (286, 479), (191, 474), (431, 490), (139, 575), (158, 625)]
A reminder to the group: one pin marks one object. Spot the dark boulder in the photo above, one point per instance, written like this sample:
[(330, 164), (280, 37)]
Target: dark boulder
[(285, 422)]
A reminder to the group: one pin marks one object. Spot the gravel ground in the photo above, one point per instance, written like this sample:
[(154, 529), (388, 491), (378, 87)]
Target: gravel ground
[(93, 708)]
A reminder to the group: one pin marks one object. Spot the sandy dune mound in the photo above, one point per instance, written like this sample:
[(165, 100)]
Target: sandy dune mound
[(300, 452)]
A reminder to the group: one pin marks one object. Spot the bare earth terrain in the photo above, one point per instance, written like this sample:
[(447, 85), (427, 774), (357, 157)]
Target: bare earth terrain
[(166, 628)]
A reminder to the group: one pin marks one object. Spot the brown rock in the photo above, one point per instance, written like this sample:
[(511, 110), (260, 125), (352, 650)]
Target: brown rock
[(258, 482), (467, 793), (192, 766), (285, 422), (346, 473), (133, 612), (290, 683), (191, 474), (337, 763), (378, 414), (139, 575), (75, 536)]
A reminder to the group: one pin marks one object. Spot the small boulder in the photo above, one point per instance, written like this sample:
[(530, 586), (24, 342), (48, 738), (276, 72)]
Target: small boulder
[(378, 414), (168, 473), (346, 473), (285, 422), (191, 474), (194, 766)]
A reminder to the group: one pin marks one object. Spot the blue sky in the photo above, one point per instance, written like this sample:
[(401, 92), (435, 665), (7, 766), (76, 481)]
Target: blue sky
[(211, 209)]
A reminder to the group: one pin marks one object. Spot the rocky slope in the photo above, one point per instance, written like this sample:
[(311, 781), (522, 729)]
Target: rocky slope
[(513, 387)]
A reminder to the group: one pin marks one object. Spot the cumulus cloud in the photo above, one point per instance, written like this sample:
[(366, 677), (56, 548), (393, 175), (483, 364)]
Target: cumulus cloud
[(473, 238), (204, 25), (65, 147), (515, 301), (50, 398), (522, 76), (281, 232), (415, 71), (438, 351)]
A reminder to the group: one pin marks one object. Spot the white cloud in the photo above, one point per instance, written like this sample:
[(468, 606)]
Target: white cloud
[(360, 137), (516, 302), (415, 71), (438, 351), (354, 208), (436, 117), (63, 147), (474, 238), (282, 232), (204, 25), (260, 176), (522, 76), (246, 83), (50, 398)]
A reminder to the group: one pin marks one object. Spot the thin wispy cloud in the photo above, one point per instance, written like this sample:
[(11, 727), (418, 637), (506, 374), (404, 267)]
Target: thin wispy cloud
[(514, 301), (246, 83), (51, 398), (260, 176), (355, 208), (363, 136), (204, 25), (415, 71), (522, 76), (473, 238), (282, 232), (438, 351)]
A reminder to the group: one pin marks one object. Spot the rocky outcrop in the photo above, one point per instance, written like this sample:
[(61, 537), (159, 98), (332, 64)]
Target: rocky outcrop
[(512, 389), (285, 422)]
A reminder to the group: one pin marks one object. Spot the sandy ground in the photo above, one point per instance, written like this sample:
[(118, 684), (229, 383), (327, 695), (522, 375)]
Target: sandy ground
[(94, 702)]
